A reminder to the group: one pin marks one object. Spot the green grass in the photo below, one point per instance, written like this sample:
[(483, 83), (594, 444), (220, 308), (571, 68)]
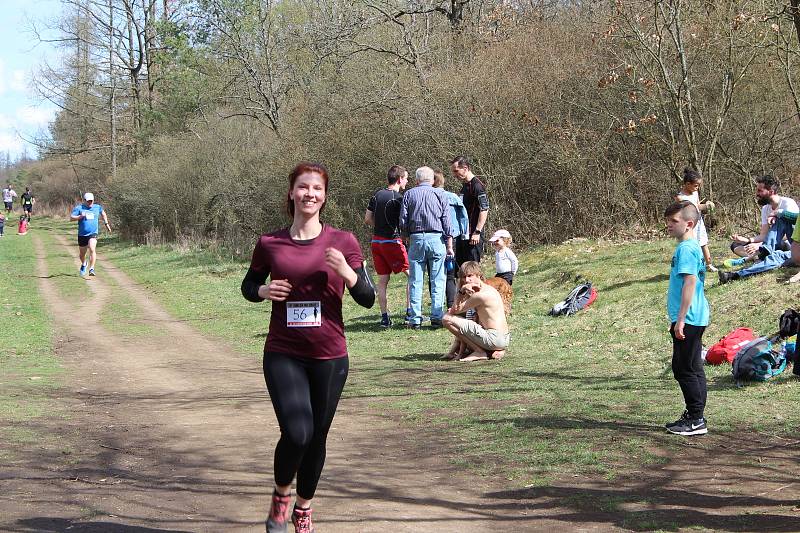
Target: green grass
[(121, 315), (581, 395), (62, 267), (30, 371)]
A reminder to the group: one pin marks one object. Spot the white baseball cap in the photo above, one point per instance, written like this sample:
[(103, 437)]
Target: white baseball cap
[(500, 234), (89, 197)]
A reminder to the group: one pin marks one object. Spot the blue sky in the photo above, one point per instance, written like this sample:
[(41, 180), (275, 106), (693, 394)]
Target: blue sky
[(22, 113)]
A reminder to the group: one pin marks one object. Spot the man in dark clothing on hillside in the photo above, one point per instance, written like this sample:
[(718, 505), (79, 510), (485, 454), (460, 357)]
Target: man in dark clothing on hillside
[(473, 194)]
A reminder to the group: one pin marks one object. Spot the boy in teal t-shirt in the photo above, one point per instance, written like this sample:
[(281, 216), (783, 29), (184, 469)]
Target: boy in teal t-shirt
[(688, 312)]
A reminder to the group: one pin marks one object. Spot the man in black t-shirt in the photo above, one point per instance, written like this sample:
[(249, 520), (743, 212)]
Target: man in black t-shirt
[(473, 194), (388, 252), (27, 200)]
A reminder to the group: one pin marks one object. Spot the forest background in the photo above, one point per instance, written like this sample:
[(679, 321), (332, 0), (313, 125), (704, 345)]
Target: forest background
[(185, 116)]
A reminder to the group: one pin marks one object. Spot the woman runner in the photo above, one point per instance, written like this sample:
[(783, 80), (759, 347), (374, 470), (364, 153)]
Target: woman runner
[(305, 355)]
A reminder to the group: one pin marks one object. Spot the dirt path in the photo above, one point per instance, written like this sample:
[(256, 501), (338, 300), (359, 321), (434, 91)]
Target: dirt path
[(177, 435)]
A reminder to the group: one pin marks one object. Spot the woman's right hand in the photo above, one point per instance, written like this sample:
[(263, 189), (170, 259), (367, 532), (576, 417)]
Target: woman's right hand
[(277, 290)]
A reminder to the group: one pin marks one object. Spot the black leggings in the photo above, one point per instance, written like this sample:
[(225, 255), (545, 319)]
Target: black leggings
[(304, 393), (687, 367)]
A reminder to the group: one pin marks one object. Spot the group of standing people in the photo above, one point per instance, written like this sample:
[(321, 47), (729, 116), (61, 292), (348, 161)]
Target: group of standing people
[(443, 231)]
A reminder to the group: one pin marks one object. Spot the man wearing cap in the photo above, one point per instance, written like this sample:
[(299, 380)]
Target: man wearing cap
[(88, 214)]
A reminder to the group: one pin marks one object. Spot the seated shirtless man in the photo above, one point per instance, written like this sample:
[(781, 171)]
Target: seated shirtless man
[(489, 336)]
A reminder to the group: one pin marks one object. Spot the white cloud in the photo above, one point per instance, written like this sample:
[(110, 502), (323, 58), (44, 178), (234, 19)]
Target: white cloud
[(18, 81), (35, 116), (10, 142), (5, 123)]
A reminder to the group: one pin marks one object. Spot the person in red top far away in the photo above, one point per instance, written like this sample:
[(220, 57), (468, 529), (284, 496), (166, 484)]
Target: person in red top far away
[(305, 356)]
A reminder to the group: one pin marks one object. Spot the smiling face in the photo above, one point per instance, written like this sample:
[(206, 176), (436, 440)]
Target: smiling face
[(308, 194)]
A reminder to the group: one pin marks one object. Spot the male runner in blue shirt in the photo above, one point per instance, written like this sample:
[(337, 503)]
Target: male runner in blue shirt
[(87, 214)]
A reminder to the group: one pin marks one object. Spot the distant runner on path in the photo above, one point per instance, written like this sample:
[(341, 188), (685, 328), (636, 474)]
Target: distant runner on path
[(8, 197), (87, 214), (305, 355), (27, 201)]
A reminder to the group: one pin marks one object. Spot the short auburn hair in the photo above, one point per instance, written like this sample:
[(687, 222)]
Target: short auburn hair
[(297, 171)]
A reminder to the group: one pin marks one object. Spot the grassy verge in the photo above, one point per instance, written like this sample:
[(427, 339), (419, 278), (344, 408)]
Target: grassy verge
[(580, 395), (61, 266), (121, 315), (30, 370)]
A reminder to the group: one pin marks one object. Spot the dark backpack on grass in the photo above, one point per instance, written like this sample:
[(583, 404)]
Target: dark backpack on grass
[(789, 323), (759, 360), (581, 297)]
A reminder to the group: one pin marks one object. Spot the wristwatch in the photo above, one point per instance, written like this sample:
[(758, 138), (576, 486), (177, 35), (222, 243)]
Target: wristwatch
[(479, 232)]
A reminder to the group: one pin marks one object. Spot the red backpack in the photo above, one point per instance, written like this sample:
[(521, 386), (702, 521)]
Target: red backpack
[(728, 346)]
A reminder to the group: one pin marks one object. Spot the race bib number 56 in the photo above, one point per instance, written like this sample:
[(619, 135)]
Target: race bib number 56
[(303, 314)]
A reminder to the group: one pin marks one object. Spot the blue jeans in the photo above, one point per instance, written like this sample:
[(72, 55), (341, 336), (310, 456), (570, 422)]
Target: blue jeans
[(774, 241), (426, 253)]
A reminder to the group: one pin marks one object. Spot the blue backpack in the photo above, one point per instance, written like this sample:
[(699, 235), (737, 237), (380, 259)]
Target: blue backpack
[(759, 360)]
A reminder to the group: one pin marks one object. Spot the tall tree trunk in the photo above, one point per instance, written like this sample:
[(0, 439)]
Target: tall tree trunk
[(149, 49), (112, 91), (794, 10)]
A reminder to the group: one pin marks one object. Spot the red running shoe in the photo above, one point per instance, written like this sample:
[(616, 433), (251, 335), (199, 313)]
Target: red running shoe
[(278, 513), (301, 518)]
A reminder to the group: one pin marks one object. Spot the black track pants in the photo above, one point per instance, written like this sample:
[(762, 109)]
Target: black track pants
[(687, 367), (305, 394)]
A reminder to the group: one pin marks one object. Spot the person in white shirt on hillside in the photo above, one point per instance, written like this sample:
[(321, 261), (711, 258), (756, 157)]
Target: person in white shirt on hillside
[(505, 261), (771, 247)]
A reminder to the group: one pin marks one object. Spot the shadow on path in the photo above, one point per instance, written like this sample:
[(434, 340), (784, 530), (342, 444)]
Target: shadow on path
[(63, 524)]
